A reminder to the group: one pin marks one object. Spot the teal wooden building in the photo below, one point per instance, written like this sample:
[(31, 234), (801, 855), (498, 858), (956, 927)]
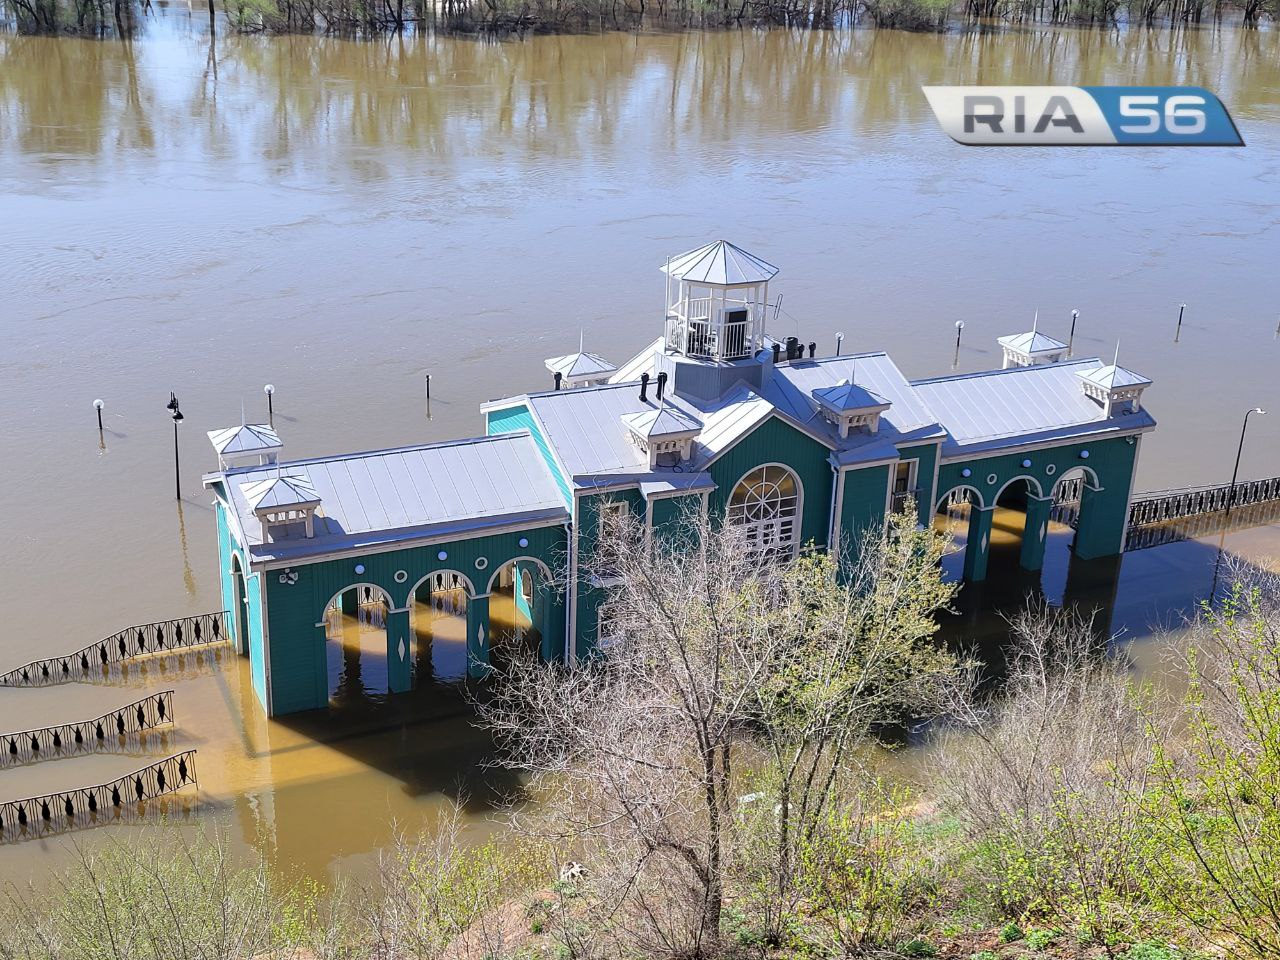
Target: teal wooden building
[(714, 415)]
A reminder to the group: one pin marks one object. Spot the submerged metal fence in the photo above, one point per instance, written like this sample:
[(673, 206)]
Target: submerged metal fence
[(114, 730), (167, 636), (103, 803)]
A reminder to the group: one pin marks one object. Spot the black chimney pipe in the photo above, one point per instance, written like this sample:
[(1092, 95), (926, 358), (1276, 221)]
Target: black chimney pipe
[(813, 348), (644, 386), (777, 352), (793, 348), (662, 385), (559, 377)]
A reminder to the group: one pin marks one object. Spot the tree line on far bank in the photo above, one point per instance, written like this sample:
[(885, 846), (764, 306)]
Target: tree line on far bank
[(720, 785), (506, 17)]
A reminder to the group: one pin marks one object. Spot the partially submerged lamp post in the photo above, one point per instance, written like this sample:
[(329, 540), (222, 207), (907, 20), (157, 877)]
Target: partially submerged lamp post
[(1177, 334), (1071, 337), (839, 342), (177, 419), (98, 405), (270, 390), (1231, 496), (955, 361)]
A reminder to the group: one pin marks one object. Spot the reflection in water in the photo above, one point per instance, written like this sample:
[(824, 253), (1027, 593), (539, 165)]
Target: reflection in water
[(356, 647), (438, 622)]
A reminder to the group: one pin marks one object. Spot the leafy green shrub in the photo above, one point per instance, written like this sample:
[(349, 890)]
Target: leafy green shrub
[(1152, 950), (983, 955), (1011, 933), (1039, 939), (918, 947)]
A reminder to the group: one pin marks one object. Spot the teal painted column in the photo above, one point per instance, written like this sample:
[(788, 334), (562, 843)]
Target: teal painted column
[(478, 636), (977, 547), (399, 672), (1035, 534), (1103, 519), (351, 602)]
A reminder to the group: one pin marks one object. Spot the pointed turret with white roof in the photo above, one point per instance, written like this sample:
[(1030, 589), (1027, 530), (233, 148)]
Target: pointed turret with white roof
[(281, 499), (240, 446), (665, 433), (1117, 388), (850, 406), (580, 369), (1030, 348)]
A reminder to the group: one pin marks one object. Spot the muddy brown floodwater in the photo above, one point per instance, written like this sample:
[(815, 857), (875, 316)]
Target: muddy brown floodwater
[(340, 218)]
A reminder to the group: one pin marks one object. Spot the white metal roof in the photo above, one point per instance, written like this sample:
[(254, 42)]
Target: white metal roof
[(246, 438), (279, 490), (1113, 377), (575, 365), (663, 422), (1032, 342), (1020, 405), (720, 263), (459, 487)]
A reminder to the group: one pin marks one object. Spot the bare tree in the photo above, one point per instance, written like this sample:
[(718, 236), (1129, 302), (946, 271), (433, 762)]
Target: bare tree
[(721, 655)]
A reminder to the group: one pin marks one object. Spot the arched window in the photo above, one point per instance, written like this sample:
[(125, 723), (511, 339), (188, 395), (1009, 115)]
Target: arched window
[(766, 504)]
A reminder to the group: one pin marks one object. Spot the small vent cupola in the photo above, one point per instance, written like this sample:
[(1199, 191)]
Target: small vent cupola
[(1116, 388), (1031, 348), (581, 369), (717, 301), (665, 433), (851, 407), (246, 445), (285, 503)]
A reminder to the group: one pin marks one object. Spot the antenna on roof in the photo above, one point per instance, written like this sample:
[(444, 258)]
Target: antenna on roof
[(242, 411), (580, 336), (1116, 361), (1035, 321)]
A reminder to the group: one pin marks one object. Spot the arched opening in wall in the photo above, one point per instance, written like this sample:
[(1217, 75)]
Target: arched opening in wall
[(516, 611), (356, 644), (766, 504), (438, 628), (1008, 524), (239, 606), (951, 518)]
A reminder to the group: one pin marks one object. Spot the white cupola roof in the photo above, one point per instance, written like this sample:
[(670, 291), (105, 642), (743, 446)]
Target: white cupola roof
[(720, 264), (1030, 348), (665, 433), (1117, 388), (849, 406), (240, 444), (579, 368), (281, 499)]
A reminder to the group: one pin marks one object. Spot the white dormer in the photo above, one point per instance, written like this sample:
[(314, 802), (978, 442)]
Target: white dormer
[(246, 445), (581, 369), (664, 433), (718, 306), (851, 407), (283, 500), (1031, 348), (1118, 389)]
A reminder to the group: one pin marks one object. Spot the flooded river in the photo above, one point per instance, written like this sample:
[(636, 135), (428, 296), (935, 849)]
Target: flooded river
[(340, 218)]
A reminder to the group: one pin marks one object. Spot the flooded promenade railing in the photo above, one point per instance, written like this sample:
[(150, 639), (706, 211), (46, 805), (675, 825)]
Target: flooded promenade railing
[(146, 639), (119, 728), (103, 803)]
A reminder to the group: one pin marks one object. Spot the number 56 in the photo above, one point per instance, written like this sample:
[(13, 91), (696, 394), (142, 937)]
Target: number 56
[(1182, 114)]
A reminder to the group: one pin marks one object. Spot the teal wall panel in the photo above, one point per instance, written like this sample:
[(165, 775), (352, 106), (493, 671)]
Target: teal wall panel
[(862, 506), (926, 456), (511, 419), (774, 441), (588, 527), (257, 655), (298, 673)]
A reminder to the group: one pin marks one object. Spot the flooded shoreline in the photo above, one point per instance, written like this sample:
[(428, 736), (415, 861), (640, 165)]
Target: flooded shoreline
[(339, 219)]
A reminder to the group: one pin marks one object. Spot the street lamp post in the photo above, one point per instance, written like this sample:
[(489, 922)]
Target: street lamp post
[(270, 390), (1231, 496), (955, 361), (177, 419)]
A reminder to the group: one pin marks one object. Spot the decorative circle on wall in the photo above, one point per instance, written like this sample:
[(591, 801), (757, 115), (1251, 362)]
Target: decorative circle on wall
[(482, 562), (966, 472), (401, 576), (442, 555), (524, 542), (1026, 463), (359, 568), (991, 479), (1051, 469), (1084, 454)]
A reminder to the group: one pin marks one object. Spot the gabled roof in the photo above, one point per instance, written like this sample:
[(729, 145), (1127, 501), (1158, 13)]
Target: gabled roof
[(576, 365), (663, 422), (721, 263), (1113, 377), (456, 488), (847, 397), (246, 438), (280, 490), (1031, 342), (1007, 408)]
